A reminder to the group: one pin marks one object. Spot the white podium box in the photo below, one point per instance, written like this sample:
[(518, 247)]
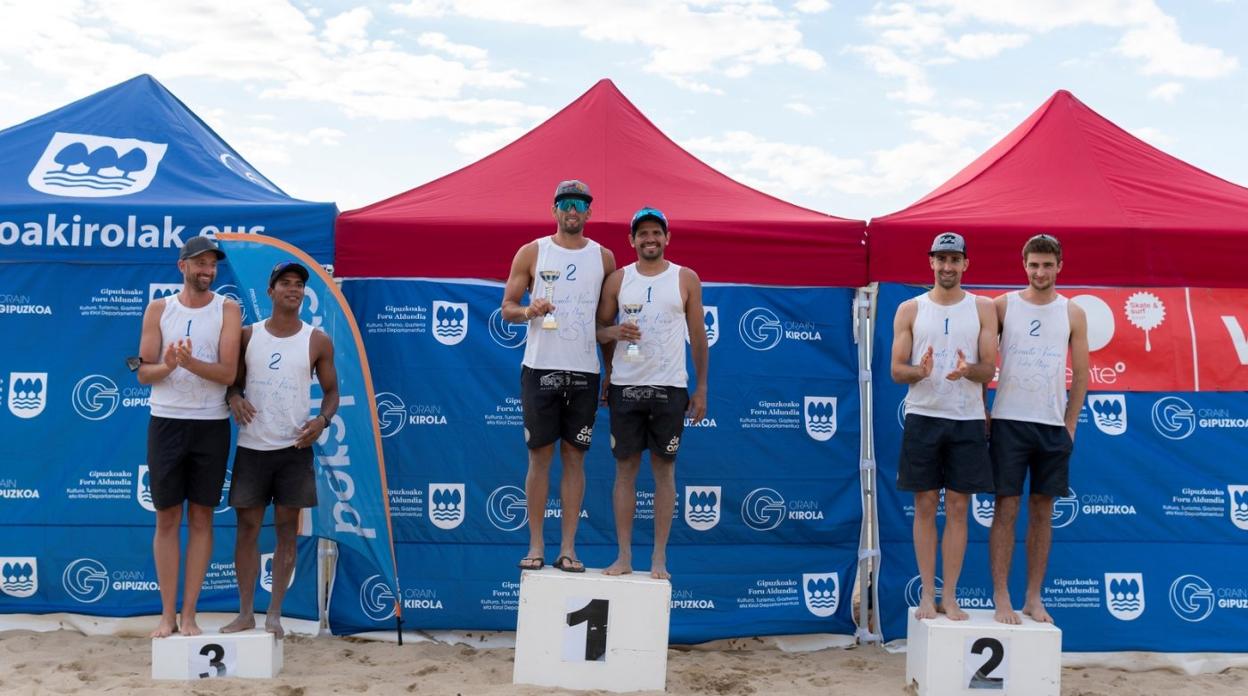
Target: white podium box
[(253, 654), (980, 656), (590, 631)]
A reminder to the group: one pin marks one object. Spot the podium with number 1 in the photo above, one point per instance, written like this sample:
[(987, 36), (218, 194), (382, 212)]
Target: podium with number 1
[(590, 631)]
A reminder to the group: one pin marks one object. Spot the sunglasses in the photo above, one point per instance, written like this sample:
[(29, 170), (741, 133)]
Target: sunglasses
[(568, 204)]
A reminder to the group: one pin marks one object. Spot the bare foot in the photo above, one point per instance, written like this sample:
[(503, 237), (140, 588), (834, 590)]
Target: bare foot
[(189, 627), (168, 626), (951, 609), (621, 566), (1005, 609), (1035, 609), (273, 624), (926, 609), (658, 570), (243, 622)]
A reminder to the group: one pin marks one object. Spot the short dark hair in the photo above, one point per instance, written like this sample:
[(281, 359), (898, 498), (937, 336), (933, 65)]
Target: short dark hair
[(1043, 244)]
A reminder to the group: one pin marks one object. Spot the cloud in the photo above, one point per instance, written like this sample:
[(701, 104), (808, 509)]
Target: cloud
[(422, 8), (439, 42), (984, 45), (800, 108), (349, 29), (812, 6), (1167, 91), (1152, 136), (885, 61)]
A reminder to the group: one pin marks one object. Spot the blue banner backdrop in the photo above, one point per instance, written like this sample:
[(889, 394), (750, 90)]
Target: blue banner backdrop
[(1148, 550), (768, 511), (75, 503)]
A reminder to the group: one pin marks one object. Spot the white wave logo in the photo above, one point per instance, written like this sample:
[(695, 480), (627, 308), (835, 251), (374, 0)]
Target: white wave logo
[(1109, 412), (266, 573), (157, 291), (450, 322), (446, 505), (28, 393), (95, 397), (1237, 500), (820, 414), (710, 320), (1191, 598), (702, 504), (822, 592), (982, 508), (761, 329), (507, 508), (505, 333), (376, 599), (94, 166), (86, 580), (1124, 595), (143, 488), (20, 576)]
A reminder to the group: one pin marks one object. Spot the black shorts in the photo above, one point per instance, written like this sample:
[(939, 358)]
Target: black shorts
[(186, 460), (558, 404), (283, 476), (643, 418), (1019, 447), (944, 453)]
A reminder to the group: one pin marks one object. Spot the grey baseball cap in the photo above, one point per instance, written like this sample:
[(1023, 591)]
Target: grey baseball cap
[(198, 245), (948, 242), (573, 188)]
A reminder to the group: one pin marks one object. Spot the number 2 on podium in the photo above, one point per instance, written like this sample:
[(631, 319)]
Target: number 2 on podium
[(594, 616), (982, 677)]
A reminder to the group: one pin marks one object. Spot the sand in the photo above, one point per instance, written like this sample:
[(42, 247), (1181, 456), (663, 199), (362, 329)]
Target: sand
[(67, 662)]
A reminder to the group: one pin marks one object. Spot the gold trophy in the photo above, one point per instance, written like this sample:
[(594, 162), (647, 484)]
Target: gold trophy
[(548, 280), (633, 352)]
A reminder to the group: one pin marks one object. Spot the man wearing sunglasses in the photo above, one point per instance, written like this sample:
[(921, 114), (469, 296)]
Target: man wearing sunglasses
[(563, 275), (271, 400), (188, 353)]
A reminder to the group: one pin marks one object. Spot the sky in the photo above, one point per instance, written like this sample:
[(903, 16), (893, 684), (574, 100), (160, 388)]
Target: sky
[(855, 109)]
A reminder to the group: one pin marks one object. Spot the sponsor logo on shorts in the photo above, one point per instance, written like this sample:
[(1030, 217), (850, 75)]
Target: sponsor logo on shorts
[(585, 435), (763, 509), (643, 394), (391, 413), (79, 165), (505, 333), (19, 576), (702, 506), (672, 445), (1124, 595), (96, 397), (143, 488), (761, 329), (982, 508), (1191, 598), (822, 592), (1237, 505), (159, 291), (28, 393), (376, 599), (1109, 412), (446, 505), (1174, 418), (266, 573), (85, 580), (450, 321), (914, 590), (223, 505), (507, 508), (821, 417)]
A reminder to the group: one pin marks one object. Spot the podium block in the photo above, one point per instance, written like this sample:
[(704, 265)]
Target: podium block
[(590, 631), (253, 654), (980, 656)]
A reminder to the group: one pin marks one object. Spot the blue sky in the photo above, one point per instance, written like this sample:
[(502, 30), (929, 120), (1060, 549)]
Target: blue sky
[(852, 108)]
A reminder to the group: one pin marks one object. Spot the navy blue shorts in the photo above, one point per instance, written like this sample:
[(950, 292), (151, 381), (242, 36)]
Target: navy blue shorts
[(1019, 447), (558, 405), (644, 418), (944, 453)]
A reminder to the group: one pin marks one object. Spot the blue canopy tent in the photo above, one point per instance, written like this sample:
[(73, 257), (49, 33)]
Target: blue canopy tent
[(95, 199)]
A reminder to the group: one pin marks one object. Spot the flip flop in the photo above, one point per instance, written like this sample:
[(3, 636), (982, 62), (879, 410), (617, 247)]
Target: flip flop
[(569, 565), (532, 563)]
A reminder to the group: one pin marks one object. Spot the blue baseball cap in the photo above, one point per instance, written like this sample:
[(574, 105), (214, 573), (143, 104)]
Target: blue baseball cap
[(288, 267), (648, 213)]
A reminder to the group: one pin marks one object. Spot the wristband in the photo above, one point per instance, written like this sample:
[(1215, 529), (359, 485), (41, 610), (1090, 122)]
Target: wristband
[(322, 417)]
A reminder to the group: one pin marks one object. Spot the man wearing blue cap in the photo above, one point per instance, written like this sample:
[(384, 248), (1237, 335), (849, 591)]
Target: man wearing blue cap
[(945, 348), (647, 382), (271, 399), (188, 353), (562, 275)]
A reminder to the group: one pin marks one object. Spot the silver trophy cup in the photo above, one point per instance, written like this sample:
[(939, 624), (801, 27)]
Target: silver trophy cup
[(631, 311), (548, 281)]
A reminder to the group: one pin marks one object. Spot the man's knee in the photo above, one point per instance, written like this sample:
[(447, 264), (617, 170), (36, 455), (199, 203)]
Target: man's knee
[(199, 518), (1005, 509), (925, 503), (956, 505), (169, 519)]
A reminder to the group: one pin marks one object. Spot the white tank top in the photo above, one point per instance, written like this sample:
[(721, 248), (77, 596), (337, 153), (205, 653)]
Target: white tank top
[(1034, 342), (663, 330), (279, 386), (946, 329), (183, 394), (574, 345)]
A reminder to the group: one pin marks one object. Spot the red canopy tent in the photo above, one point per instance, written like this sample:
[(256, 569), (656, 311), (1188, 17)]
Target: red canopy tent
[(468, 224), (1125, 212)]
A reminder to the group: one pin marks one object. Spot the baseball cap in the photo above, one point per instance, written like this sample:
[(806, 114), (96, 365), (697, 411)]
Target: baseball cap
[(198, 245), (648, 213), (948, 242), (573, 188), (288, 267)]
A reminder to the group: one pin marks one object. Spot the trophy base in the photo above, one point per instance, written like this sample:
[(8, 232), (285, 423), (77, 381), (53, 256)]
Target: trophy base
[(549, 323)]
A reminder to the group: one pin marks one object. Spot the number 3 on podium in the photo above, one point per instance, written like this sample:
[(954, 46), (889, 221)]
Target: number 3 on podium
[(212, 661), (593, 613)]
